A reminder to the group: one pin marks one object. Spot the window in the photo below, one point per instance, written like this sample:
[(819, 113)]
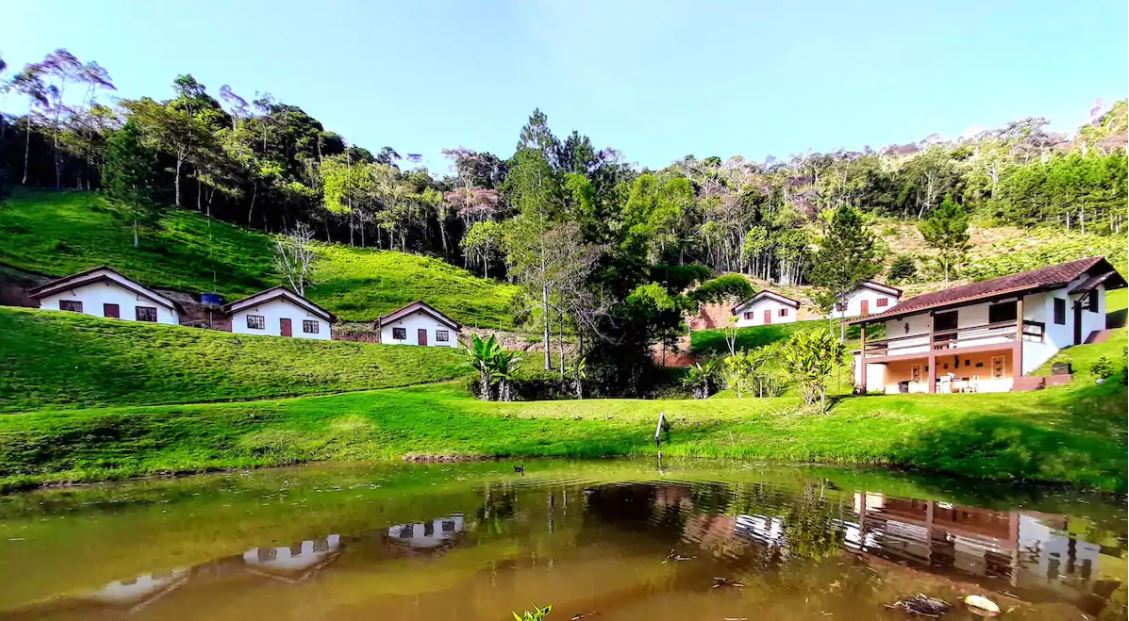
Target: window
[(70, 305), (883, 301), (840, 306), (1060, 311), (311, 326), (111, 310), (1092, 301), (1004, 311), (256, 322), (783, 312), (748, 315), (399, 334), (146, 313), (442, 336)]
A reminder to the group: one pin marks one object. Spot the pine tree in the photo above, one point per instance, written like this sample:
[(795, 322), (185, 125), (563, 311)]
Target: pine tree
[(946, 230), (129, 177), (847, 255)]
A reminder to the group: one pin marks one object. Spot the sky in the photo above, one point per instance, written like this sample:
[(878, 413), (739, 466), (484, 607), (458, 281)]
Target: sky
[(656, 79)]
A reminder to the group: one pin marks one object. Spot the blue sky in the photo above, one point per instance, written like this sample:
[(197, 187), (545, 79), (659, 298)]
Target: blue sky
[(655, 79)]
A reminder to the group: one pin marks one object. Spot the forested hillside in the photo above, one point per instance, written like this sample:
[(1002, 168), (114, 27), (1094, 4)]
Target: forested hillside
[(602, 253)]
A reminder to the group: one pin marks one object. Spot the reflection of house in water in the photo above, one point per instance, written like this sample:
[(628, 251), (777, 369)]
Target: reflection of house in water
[(140, 591), (1027, 550), (437, 534), (296, 562)]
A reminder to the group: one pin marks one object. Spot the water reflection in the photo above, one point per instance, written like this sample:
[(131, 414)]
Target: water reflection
[(634, 550)]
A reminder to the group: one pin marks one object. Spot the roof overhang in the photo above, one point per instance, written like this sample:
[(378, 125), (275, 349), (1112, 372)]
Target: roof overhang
[(763, 294), (275, 293), (96, 275), (881, 288), (419, 306)]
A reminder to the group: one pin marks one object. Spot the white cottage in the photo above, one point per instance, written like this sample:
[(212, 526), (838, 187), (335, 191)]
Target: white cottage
[(766, 308), (418, 324), (985, 336), (869, 297), (279, 311), (102, 292)]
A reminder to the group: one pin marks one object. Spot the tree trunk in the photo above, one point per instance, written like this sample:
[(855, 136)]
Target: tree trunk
[(176, 178), (27, 149), (545, 320), (136, 241), (251, 209)]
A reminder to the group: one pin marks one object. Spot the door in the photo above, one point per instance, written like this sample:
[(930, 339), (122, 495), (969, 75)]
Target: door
[(284, 326), (112, 310), (422, 335), (944, 322), (865, 308), (767, 317), (1078, 321)]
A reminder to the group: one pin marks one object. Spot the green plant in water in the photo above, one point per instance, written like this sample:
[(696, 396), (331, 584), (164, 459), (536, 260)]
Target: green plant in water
[(537, 614)]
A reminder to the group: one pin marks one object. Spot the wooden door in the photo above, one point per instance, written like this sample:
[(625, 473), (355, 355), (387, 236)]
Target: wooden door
[(767, 317), (421, 334), (112, 310), (284, 326), (865, 307)]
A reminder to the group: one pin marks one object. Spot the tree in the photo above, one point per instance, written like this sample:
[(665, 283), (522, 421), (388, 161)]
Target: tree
[(847, 255), (533, 190), (294, 257), (29, 83), (174, 132), (481, 354), (129, 176), (902, 268), (504, 366), (484, 240), (701, 377), (946, 230), (810, 357)]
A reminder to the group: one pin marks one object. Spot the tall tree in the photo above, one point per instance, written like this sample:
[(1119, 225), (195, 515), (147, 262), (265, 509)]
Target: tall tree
[(946, 231), (129, 176), (847, 255)]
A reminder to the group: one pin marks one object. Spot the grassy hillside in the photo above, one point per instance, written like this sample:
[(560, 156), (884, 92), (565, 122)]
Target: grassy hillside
[(67, 359), (59, 233), (1073, 434), (713, 341)]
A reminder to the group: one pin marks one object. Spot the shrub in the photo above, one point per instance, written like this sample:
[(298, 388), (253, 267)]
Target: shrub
[(1103, 368), (903, 268)]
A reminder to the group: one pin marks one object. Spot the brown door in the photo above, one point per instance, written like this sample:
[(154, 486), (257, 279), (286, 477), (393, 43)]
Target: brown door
[(422, 334), (111, 310), (284, 325), (865, 307), (767, 317)]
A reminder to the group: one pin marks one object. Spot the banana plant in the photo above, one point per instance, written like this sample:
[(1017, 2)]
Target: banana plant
[(481, 354)]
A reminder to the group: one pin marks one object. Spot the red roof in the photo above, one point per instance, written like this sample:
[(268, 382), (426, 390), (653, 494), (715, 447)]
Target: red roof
[(1033, 281), (421, 306)]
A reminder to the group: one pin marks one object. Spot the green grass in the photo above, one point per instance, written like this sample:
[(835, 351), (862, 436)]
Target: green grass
[(1083, 357), (59, 233), (1072, 435), (51, 358), (713, 341)]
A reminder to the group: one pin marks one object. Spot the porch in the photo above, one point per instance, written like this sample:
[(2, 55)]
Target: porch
[(944, 373), (968, 339)]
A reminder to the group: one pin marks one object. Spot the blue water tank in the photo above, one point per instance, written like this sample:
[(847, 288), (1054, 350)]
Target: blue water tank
[(211, 299)]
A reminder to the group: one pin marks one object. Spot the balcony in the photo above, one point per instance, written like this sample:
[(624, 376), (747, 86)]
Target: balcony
[(990, 335)]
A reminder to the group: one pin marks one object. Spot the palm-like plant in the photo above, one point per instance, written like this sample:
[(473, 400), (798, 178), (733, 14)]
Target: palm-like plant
[(481, 354), (504, 365), (701, 377)]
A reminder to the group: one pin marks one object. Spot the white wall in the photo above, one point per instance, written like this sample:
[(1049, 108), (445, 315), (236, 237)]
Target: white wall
[(94, 295), (855, 298), (274, 310), (757, 309), (414, 322)]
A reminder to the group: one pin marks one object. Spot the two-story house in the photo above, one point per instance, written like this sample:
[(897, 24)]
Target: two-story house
[(984, 335)]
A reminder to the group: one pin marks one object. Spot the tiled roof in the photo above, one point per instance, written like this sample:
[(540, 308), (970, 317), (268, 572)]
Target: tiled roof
[(765, 293), (418, 305), (267, 295), (1035, 280)]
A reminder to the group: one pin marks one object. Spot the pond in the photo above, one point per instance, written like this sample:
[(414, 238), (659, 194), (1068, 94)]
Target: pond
[(610, 540)]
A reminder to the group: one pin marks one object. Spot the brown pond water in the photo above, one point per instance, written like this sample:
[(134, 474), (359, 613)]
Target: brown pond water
[(610, 540)]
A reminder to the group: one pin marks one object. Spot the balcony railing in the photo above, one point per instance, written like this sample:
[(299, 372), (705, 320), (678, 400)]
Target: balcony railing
[(999, 333)]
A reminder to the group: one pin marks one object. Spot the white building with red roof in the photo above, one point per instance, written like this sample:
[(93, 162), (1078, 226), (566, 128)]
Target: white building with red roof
[(985, 336), (418, 324)]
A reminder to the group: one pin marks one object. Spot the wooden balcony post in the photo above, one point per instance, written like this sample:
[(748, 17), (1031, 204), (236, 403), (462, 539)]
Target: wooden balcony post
[(862, 358), (931, 360), (1017, 349)]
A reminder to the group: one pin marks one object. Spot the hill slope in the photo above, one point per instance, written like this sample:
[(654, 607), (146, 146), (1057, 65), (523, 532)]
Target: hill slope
[(59, 233), (66, 359)]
